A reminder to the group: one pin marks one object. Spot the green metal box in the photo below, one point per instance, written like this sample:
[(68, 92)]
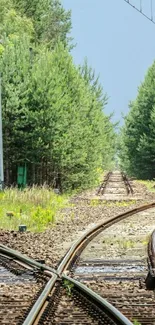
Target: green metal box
[(22, 176)]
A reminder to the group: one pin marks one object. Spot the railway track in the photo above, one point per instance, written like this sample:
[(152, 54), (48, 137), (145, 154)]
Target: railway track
[(70, 302), (21, 282), (121, 282), (65, 300), (115, 184), (62, 300)]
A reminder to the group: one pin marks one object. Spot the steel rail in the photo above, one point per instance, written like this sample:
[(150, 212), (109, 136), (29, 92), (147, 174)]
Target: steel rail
[(30, 319), (13, 253), (29, 267), (78, 246), (104, 304), (71, 255), (127, 184), (104, 184), (151, 257), (6, 251)]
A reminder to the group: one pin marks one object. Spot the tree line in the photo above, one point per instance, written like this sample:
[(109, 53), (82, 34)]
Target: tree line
[(53, 111), (137, 138)]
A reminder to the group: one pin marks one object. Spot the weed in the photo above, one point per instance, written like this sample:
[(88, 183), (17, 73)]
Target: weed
[(72, 215), (131, 225), (94, 202), (126, 244), (135, 322), (37, 207), (125, 203), (119, 203), (146, 240), (68, 286), (149, 184)]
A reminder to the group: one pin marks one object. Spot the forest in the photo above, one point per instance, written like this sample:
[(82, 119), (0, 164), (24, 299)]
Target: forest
[(53, 111), (137, 138)]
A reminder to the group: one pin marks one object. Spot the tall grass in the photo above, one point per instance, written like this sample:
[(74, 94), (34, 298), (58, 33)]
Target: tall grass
[(36, 207)]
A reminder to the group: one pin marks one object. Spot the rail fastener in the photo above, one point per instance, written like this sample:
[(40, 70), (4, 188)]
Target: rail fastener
[(34, 312), (104, 304), (13, 253)]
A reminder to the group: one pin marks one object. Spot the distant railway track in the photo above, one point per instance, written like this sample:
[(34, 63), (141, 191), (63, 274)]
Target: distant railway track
[(115, 183), (102, 187), (57, 306), (129, 188)]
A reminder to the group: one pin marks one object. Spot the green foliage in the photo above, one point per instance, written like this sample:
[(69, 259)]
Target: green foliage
[(125, 203), (101, 123), (15, 25), (5, 7), (135, 322), (94, 202), (138, 135), (97, 202), (68, 286), (51, 22), (126, 244), (36, 207), (149, 184), (53, 112)]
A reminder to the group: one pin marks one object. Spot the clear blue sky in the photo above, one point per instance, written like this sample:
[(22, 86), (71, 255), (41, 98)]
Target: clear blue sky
[(119, 44)]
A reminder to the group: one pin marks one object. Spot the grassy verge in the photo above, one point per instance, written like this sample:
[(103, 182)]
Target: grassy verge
[(149, 184), (34, 207)]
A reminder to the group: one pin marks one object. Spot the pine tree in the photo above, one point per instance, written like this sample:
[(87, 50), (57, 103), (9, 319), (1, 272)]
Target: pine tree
[(53, 112), (137, 149), (52, 23)]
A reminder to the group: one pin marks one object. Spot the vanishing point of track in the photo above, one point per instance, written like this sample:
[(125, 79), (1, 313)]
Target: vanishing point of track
[(115, 183)]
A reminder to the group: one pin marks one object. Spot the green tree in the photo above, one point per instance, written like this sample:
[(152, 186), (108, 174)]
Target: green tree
[(104, 131), (137, 148), (53, 112), (15, 66), (52, 23)]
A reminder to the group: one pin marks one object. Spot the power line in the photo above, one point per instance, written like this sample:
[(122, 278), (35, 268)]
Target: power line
[(140, 9)]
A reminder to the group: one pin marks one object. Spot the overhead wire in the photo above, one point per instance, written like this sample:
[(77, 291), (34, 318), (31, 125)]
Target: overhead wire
[(141, 10), (151, 10)]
